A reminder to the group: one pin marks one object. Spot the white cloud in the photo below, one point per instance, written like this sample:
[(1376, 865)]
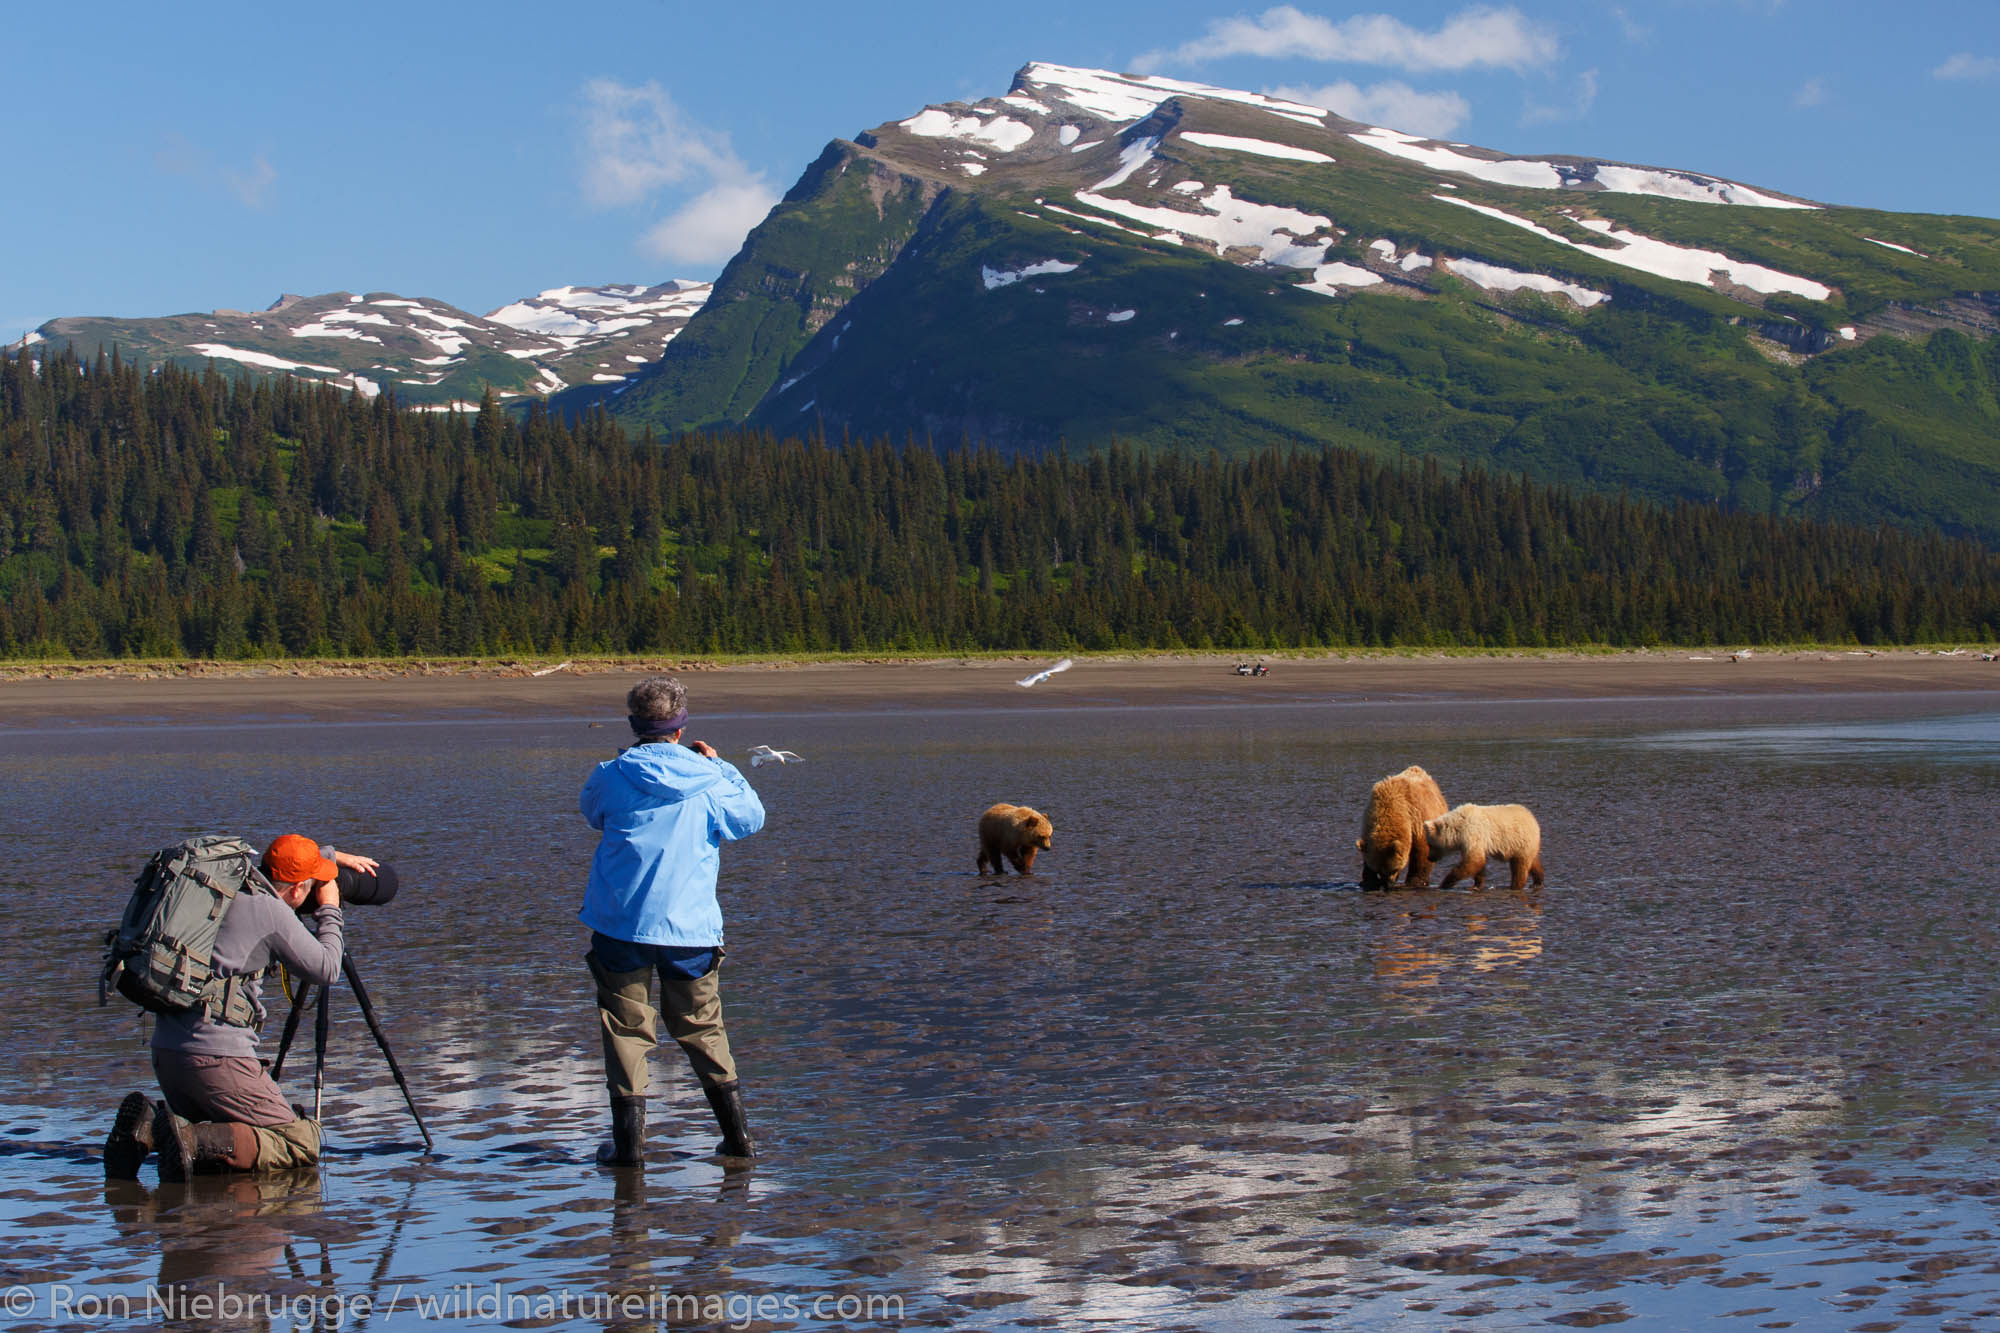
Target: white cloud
[(638, 145), (252, 186), (1393, 104), (1577, 109), (1811, 95), (636, 142), (177, 155), (1635, 31), (1475, 38), (1965, 65), (710, 227)]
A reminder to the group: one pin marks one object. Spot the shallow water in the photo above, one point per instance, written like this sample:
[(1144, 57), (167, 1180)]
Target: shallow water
[(1735, 1061)]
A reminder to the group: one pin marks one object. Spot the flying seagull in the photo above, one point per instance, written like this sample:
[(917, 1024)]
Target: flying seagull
[(764, 754), (1041, 676)]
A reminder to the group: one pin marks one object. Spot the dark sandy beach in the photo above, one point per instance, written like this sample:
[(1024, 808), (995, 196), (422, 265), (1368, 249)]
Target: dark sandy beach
[(208, 691)]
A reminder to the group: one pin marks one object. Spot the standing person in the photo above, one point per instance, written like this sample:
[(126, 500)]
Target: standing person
[(664, 809), (222, 1111)]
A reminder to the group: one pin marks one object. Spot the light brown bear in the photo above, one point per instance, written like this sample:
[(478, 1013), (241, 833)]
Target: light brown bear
[(1015, 832), (1477, 832), (1392, 832)]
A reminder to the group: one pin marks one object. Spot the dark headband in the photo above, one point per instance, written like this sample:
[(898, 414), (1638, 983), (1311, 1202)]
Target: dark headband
[(646, 727)]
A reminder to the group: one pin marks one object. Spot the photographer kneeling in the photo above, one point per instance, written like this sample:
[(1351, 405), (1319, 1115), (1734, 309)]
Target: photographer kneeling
[(222, 1111)]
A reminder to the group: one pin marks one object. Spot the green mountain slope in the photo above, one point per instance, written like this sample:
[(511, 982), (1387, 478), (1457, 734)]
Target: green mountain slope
[(1096, 258)]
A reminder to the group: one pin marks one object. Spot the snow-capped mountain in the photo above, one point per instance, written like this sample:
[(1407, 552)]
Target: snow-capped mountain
[(1094, 257), (430, 353)]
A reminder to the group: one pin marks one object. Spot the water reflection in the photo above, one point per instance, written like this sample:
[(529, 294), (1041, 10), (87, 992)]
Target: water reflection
[(1970, 739), (1417, 953)]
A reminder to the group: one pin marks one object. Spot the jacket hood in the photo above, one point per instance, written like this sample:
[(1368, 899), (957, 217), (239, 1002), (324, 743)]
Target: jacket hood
[(668, 772)]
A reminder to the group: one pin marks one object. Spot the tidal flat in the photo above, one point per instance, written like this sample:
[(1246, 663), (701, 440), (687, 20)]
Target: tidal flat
[(1734, 1064)]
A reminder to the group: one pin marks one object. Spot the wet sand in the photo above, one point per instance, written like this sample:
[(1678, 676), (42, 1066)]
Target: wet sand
[(1734, 1064), (1095, 682)]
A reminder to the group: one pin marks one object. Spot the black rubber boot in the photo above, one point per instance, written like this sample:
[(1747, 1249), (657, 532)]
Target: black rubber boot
[(628, 1134), (727, 1101), (186, 1150), (131, 1141)]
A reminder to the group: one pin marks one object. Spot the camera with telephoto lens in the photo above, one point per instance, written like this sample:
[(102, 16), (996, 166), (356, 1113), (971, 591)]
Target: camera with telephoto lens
[(367, 889)]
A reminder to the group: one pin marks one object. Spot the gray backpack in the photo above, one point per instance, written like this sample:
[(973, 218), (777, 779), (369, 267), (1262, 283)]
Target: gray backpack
[(162, 956)]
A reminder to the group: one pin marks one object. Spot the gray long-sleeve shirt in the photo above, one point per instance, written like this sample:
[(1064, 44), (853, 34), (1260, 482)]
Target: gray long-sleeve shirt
[(257, 929)]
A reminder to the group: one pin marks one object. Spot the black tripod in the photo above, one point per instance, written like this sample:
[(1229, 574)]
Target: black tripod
[(319, 1041)]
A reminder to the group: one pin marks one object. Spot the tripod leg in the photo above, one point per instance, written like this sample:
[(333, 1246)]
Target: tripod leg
[(291, 1029), (375, 1027), (319, 1049)]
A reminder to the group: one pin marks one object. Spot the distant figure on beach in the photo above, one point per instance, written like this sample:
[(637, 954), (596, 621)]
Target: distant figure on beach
[(1392, 838), (221, 1111), (664, 809), (1016, 833)]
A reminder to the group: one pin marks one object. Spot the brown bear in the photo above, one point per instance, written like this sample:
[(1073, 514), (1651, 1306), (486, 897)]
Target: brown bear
[(1392, 832), (1477, 832), (1015, 832)]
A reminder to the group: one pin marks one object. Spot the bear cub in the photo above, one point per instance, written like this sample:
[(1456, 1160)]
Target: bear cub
[(1014, 832), (1478, 832)]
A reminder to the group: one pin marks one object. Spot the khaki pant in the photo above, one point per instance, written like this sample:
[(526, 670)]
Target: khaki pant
[(629, 1025), (236, 1090)]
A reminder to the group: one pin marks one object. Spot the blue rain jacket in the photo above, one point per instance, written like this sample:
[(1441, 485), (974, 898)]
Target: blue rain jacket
[(665, 812)]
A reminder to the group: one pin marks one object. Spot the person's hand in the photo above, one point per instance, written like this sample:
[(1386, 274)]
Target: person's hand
[(367, 865), (326, 894), (702, 748)]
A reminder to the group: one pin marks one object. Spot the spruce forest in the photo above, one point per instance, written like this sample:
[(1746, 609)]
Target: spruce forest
[(163, 513)]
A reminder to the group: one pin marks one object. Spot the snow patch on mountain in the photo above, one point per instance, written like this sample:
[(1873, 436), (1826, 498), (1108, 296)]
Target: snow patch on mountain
[(1131, 157), (1683, 185), (1003, 132), (262, 360), (1535, 174), (994, 277), (1891, 245), (1260, 147), (1112, 223), (1662, 259), (572, 316), (1282, 236), (1497, 279), (1127, 97), (1328, 279)]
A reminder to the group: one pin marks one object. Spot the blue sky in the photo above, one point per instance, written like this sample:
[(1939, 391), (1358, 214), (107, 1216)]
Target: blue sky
[(165, 158)]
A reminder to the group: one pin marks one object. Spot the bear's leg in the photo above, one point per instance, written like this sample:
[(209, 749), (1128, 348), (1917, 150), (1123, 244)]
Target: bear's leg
[(1369, 879), (1454, 873), (1517, 872), (1028, 860), (1535, 869), (1471, 866), (986, 856), (1418, 876)]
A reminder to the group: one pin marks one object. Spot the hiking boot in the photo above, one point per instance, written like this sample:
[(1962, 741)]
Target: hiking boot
[(174, 1137), (131, 1140), (727, 1102), (188, 1150), (628, 1134)]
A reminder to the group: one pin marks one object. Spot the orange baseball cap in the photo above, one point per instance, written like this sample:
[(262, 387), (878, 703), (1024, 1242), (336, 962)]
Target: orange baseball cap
[(292, 859)]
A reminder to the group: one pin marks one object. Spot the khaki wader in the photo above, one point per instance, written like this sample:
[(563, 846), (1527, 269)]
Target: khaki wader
[(629, 1024)]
